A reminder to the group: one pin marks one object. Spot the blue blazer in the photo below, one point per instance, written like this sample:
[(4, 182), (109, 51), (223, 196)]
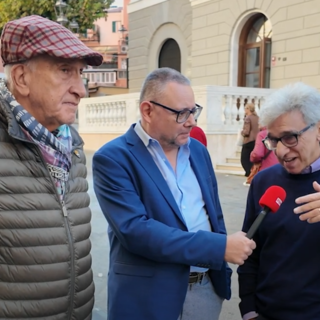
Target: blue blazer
[(151, 250)]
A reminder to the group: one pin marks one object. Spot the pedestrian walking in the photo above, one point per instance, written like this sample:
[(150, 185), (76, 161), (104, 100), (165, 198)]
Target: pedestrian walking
[(249, 132)]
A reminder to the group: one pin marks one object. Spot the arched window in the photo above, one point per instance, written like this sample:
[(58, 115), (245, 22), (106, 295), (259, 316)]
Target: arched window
[(170, 55), (255, 53)]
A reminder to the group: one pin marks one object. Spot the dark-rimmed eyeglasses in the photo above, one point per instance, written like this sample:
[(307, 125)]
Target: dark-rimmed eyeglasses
[(288, 140), (182, 115)]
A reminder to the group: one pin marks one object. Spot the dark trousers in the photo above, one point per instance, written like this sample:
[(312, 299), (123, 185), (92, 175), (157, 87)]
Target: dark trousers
[(245, 157)]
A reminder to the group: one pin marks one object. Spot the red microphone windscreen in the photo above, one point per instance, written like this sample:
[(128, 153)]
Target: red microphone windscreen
[(273, 198)]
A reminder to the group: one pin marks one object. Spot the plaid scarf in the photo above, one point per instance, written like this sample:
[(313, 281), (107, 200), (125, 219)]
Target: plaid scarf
[(55, 147)]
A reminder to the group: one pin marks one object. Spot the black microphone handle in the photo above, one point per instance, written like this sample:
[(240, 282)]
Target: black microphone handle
[(257, 222)]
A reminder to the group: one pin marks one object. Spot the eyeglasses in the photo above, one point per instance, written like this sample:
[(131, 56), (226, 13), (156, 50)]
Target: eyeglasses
[(288, 140), (183, 115)]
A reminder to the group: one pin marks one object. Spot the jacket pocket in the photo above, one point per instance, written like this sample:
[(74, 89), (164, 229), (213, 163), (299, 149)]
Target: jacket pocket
[(133, 270)]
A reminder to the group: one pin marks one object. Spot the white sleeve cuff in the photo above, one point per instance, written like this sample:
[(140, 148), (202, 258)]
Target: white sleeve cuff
[(250, 315)]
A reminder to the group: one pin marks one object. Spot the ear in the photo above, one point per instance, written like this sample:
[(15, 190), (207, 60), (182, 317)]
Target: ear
[(146, 110), (19, 80), (318, 130)]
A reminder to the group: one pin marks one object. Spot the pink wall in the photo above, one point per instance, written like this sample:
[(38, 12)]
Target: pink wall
[(125, 13), (107, 37)]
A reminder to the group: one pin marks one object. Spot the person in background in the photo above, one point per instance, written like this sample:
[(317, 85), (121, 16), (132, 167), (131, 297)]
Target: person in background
[(249, 132), (45, 269), (197, 133), (260, 155), (281, 279), (157, 189)]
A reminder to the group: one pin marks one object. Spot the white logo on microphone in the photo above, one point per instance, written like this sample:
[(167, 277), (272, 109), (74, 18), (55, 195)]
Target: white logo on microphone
[(279, 202)]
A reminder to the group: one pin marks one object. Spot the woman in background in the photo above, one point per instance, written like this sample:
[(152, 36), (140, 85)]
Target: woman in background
[(249, 132), (261, 154)]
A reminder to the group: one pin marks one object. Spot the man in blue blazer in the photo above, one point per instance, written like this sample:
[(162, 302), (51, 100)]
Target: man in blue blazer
[(158, 191)]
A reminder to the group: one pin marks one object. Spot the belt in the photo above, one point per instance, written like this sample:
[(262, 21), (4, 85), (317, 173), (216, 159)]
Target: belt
[(196, 277)]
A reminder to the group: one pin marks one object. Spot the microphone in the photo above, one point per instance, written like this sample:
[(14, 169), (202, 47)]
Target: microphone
[(270, 201)]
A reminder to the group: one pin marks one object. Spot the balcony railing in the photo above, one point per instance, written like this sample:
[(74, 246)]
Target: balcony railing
[(104, 77)]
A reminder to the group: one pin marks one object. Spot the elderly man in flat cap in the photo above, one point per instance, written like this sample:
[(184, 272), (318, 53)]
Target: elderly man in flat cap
[(45, 262)]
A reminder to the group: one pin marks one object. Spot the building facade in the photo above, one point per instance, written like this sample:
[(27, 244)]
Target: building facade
[(109, 37), (244, 43), (233, 51)]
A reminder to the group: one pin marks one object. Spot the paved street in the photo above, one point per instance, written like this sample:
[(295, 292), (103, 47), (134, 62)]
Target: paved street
[(233, 198)]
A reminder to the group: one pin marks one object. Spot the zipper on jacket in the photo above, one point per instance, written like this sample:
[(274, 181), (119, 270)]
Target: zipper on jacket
[(65, 215), (64, 209)]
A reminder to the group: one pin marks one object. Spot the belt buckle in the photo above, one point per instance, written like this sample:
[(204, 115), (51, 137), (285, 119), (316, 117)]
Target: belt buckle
[(198, 275)]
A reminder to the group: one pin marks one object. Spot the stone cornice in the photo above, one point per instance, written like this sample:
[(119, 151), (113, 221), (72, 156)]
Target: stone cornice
[(136, 5), (197, 2)]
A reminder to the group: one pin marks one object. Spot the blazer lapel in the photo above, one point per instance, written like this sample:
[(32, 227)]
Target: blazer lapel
[(142, 155), (203, 179)]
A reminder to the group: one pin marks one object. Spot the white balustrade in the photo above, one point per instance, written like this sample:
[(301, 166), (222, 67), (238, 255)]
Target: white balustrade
[(108, 114), (221, 118), (224, 106), (223, 109)]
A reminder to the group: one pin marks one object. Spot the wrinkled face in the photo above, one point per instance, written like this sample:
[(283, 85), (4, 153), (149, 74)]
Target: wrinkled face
[(55, 89), (164, 128), (295, 159)]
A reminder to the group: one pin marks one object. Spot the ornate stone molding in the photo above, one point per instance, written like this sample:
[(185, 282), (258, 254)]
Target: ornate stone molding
[(136, 5)]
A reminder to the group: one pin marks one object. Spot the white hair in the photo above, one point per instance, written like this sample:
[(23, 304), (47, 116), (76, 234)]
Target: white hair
[(296, 96)]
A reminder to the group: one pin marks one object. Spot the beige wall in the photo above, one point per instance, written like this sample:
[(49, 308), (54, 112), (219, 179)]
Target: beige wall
[(94, 141), (149, 29), (107, 91), (296, 44), (207, 32)]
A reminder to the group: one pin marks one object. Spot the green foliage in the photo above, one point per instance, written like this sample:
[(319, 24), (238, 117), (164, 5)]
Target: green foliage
[(85, 12)]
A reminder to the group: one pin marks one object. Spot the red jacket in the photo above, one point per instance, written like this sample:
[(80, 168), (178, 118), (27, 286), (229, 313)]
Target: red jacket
[(197, 133)]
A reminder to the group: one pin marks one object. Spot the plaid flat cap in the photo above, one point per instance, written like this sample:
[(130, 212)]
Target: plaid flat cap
[(32, 36)]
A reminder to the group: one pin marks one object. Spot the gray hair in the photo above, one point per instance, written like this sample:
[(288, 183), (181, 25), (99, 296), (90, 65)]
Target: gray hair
[(296, 96), (7, 71), (156, 80)]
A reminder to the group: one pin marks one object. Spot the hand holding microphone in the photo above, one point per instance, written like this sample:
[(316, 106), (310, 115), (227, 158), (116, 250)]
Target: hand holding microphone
[(239, 247), (270, 201)]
